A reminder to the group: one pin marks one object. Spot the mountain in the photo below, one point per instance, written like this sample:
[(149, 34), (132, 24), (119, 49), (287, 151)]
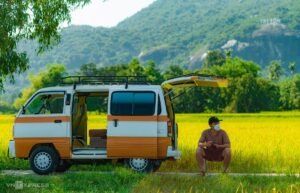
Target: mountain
[(182, 32)]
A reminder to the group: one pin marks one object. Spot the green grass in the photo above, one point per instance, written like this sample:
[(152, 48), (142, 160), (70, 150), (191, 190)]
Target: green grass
[(121, 181), (126, 181), (219, 184)]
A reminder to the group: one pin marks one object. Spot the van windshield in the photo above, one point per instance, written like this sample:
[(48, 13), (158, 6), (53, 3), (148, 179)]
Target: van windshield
[(46, 104)]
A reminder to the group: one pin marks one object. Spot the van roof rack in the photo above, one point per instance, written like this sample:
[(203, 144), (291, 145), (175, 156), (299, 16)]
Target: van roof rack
[(109, 80)]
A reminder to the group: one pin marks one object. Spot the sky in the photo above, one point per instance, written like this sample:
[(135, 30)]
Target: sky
[(107, 13)]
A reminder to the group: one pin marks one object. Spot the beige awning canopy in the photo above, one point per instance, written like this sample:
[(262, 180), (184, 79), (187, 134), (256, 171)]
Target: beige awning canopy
[(197, 80)]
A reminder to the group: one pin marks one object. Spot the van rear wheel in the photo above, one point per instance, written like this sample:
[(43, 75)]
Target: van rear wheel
[(43, 160), (140, 164)]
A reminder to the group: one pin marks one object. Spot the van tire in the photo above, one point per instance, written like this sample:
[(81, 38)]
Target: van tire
[(140, 164), (43, 160), (63, 166)]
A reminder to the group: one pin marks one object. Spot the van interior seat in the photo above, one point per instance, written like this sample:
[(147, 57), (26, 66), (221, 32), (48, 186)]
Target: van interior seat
[(98, 138), (98, 133)]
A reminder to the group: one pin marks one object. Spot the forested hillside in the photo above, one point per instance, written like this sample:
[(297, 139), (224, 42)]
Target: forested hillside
[(181, 32), (177, 32)]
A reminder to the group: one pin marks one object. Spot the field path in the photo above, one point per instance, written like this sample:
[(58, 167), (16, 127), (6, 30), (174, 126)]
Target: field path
[(29, 172)]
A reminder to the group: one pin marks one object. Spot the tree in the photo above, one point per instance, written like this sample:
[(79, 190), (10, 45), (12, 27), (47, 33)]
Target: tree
[(135, 68), (153, 74), (88, 69), (6, 107), (246, 91), (268, 95), (51, 76), (246, 94), (292, 67), (33, 20), (172, 72), (275, 70), (214, 58), (235, 68), (290, 93)]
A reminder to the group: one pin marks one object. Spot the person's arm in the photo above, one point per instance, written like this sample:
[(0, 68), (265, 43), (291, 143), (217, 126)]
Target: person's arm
[(226, 141), (203, 143)]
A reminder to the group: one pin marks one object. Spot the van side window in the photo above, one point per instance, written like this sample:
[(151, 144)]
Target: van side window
[(133, 103), (46, 104)]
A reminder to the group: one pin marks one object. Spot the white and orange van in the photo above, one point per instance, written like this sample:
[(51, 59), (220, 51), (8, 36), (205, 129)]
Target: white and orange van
[(51, 128)]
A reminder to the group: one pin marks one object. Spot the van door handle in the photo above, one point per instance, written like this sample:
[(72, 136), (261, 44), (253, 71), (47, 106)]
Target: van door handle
[(57, 121), (115, 122)]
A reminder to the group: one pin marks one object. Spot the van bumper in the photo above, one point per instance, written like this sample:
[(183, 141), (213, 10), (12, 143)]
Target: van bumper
[(171, 153), (11, 149)]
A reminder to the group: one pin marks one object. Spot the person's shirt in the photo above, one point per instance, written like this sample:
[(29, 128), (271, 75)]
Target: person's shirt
[(219, 138)]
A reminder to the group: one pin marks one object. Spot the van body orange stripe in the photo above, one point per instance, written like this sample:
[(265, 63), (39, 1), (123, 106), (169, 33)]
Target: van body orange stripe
[(42, 119), (138, 118), (130, 147), (25, 145)]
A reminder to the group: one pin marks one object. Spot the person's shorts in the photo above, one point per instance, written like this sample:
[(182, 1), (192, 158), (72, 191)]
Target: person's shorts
[(214, 154)]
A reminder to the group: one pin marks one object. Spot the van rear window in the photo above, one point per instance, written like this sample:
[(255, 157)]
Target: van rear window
[(133, 103)]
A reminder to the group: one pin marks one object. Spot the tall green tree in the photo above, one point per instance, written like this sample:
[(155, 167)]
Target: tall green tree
[(214, 58), (247, 92), (236, 67), (51, 76), (153, 74), (292, 67), (275, 70), (290, 93), (173, 71), (88, 69), (135, 68), (268, 95), (31, 19), (6, 107)]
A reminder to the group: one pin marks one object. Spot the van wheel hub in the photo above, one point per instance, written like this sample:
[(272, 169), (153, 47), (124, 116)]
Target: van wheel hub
[(42, 160), (138, 164)]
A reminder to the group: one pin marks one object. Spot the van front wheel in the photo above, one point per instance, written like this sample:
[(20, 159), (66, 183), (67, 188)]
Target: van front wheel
[(43, 160), (140, 164)]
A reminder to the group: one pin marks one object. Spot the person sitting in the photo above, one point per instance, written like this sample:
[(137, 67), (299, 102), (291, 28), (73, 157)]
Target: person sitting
[(213, 145)]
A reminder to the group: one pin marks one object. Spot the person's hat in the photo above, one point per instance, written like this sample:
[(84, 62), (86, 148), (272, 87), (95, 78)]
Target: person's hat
[(214, 120)]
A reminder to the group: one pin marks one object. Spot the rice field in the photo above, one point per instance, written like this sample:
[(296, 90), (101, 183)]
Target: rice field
[(264, 142)]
